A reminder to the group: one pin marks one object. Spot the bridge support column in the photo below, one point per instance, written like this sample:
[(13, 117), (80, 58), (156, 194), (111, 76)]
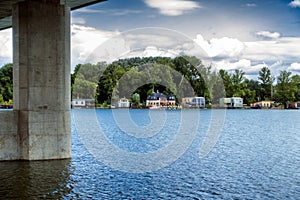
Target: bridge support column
[(41, 56)]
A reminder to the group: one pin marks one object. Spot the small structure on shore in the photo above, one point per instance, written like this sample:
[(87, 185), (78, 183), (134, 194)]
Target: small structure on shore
[(6, 106), (262, 104), (83, 103), (123, 103), (294, 105), (233, 102), (193, 102), (159, 100)]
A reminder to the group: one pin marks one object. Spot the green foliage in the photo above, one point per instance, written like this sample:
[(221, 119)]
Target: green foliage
[(135, 100), (6, 82), (296, 85), (1, 99), (254, 88), (266, 81), (187, 76), (137, 78), (234, 83), (237, 85), (84, 80), (180, 76), (286, 89)]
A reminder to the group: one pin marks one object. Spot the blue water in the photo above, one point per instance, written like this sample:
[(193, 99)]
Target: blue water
[(257, 156)]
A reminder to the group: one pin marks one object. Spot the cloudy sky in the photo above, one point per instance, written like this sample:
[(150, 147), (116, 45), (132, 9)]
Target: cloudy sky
[(233, 34)]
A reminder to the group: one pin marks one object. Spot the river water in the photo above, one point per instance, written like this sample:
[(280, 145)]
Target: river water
[(256, 156)]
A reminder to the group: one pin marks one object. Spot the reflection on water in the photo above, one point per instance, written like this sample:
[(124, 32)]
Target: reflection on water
[(256, 157), (37, 179)]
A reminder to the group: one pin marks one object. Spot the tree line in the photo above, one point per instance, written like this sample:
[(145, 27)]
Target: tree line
[(6, 84), (136, 78)]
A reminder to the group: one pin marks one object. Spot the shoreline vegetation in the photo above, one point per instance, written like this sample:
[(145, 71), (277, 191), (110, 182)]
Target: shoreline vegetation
[(280, 107), (183, 76)]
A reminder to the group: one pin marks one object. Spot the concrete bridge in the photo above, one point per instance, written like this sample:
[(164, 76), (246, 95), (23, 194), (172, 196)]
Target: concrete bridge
[(38, 127)]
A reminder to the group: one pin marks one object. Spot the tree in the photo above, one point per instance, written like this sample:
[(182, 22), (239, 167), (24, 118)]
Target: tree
[(168, 75), (225, 76), (233, 83), (238, 84), (211, 79), (190, 67), (135, 100), (1, 99), (6, 82), (249, 92), (218, 90), (266, 81), (255, 87), (85, 79), (296, 86), (285, 90)]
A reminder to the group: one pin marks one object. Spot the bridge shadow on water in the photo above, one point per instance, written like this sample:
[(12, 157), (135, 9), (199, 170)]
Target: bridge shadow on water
[(35, 179)]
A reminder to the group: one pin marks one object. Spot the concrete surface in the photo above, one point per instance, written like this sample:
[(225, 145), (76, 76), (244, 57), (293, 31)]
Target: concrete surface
[(39, 126)]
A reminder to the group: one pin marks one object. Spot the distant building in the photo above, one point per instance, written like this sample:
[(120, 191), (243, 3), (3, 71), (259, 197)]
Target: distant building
[(294, 105), (171, 101), (160, 100), (225, 102), (262, 104), (233, 102), (123, 103), (193, 102), (83, 103)]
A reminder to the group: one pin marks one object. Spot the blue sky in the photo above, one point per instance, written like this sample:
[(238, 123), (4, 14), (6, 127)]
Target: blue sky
[(232, 34)]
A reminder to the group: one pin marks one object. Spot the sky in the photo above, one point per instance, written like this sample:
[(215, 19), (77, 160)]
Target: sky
[(232, 34)]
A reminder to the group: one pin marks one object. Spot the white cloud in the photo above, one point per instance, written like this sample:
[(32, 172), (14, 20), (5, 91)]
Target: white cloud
[(251, 5), (173, 7), (6, 43), (85, 40), (93, 45), (227, 65), (121, 12), (77, 20), (294, 67), (114, 12), (268, 34), (151, 51), (229, 53), (242, 64), (295, 3), (87, 10), (285, 49), (220, 47)]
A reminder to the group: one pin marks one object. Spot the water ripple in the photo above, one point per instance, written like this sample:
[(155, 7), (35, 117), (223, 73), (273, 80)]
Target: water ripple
[(256, 157)]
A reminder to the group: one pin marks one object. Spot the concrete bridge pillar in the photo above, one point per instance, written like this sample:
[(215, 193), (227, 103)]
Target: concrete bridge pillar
[(41, 56)]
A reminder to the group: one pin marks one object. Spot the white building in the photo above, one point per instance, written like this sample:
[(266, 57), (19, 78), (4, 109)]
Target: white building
[(160, 100), (262, 104), (83, 103), (233, 102), (193, 102), (123, 103)]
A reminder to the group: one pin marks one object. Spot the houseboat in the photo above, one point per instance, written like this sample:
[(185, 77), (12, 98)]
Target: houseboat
[(83, 103), (193, 102), (233, 102)]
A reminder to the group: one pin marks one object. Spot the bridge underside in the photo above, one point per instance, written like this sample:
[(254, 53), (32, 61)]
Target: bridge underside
[(6, 7), (38, 127)]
